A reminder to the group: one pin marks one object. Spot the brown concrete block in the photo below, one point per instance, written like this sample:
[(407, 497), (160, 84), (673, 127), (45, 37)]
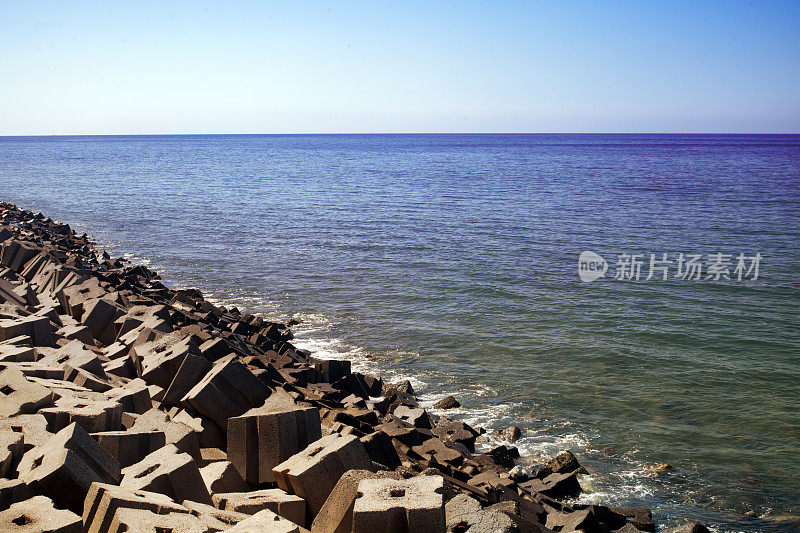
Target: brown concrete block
[(191, 371), (435, 449), (84, 378), (12, 446), (181, 435), (33, 427), (312, 473), (161, 360), (380, 449), (222, 476), (12, 491), (130, 447), (265, 436), (208, 434), (336, 516), (36, 370), (265, 520), (144, 521), (77, 332), (215, 519), (389, 505), (93, 415), (289, 506), (104, 500), (17, 354), (134, 397), (38, 515), (228, 390), (66, 466), (216, 348), (169, 472), (38, 328), (99, 315), (18, 395)]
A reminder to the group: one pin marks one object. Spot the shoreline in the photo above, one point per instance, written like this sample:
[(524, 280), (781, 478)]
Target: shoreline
[(134, 338)]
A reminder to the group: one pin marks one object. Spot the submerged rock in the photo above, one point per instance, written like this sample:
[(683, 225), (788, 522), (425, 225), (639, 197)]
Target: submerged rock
[(448, 402)]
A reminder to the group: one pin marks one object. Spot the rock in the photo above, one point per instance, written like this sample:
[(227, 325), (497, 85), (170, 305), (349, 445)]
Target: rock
[(640, 517), (448, 402), (522, 473), (554, 485), (511, 434), (563, 463), (689, 527)]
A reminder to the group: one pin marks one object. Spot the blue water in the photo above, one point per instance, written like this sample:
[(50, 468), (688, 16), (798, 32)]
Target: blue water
[(453, 259)]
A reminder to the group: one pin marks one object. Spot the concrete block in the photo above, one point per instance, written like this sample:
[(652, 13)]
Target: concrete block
[(38, 515), (20, 396), (33, 427), (228, 390), (66, 466), (380, 449), (130, 447), (265, 520), (333, 369), (12, 446), (104, 500), (183, 436), (191, 371), (169, 472), (161, 360), (38, 328), (144, 521), (312, 473), (99, 316), (213, 518), (92, 415), (264, 437), (289, 506), (222, 476), (77, 332), (12, 491), (17, 354), (336, 516), (134, 397), (389, 505)]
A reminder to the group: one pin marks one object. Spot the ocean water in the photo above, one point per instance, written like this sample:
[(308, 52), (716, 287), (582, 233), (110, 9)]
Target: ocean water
[(453, 260)]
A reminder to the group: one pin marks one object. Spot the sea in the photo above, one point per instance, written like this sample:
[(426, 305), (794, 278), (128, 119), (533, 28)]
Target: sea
[(632, 298)]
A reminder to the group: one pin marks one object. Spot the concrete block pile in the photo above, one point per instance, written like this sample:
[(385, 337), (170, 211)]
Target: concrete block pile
[(126, 405)]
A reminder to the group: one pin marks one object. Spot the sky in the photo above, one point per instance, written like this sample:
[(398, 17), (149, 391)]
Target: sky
[(141, 67)]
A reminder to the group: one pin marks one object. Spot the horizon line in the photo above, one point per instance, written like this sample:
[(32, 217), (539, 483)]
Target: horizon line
[(396, 133)]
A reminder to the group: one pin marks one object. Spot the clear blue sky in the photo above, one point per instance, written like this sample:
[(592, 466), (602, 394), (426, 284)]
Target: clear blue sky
[(276, 67)]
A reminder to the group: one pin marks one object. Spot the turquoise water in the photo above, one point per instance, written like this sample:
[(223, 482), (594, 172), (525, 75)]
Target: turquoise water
[(453, 259)]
